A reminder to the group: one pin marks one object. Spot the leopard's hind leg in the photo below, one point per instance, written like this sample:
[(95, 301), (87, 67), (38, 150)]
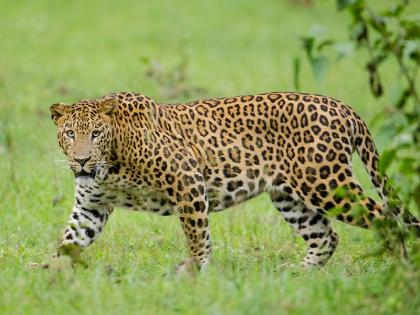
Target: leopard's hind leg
[(314, 228)]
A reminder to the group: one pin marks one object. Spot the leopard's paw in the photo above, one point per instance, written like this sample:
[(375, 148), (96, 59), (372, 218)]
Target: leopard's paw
[(188, 267), (73, 251)]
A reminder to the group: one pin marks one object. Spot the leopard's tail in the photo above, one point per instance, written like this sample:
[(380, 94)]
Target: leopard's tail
[(366, 149)]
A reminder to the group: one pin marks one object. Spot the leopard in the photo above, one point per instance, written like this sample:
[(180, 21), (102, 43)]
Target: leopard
[(193, 159)]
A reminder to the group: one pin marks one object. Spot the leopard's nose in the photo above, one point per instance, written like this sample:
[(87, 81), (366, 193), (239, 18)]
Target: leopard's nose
[(82, 161)]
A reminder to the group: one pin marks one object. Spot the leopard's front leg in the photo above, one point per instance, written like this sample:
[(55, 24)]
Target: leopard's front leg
[(192, 206), (86, 222)]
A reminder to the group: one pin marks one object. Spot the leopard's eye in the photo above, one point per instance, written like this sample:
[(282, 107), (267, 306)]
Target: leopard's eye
[(70, 134), (95, 134)]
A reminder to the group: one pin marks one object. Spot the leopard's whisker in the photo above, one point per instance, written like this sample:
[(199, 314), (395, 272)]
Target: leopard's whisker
[(61, 161)]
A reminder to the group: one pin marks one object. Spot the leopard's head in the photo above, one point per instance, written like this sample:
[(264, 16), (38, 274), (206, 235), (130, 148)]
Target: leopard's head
[(85, 133)]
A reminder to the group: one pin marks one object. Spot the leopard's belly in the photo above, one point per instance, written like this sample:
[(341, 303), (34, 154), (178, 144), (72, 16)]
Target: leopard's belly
[(123, 193)]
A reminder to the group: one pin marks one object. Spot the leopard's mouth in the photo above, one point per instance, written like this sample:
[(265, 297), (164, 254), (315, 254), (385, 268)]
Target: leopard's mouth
[(84, 173)]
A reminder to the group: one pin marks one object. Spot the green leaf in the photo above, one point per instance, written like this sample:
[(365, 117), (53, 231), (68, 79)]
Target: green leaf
[(340, 192), (378, 23), (412, 50), (360, 32), (342, 4), (402, 100), (378, 119), (386, 159), (344, 49), (374, 79), (334, 212), (411, 29), (376, 85), (395, 92), (396, 9), (308, 44), (320, 66), (403, 139), (325, 43), (296, 73), (416, 196), (359, 211), (407, 165)]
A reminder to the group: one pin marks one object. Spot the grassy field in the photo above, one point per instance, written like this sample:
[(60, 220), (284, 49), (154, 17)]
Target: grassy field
[(55, 51)]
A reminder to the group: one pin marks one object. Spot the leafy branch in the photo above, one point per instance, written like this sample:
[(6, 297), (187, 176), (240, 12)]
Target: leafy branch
[(387, 36)]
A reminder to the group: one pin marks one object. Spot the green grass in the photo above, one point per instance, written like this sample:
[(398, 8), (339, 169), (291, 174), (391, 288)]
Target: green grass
[(55, 51)]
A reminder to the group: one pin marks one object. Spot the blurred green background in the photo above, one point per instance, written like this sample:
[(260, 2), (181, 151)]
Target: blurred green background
[(63, 51)]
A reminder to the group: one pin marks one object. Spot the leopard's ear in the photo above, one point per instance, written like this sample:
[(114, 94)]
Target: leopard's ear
[(109, 105), (58, 110)]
